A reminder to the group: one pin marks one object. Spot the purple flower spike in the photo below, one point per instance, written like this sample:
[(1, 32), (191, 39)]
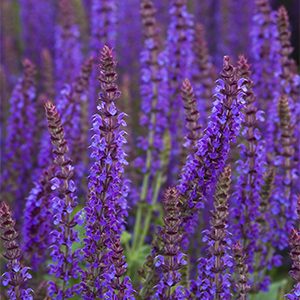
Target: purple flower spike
[(68, 56), (171, 259), (180, 57), (19, 144), (295, 256), (241, 268), (37, 24), (203, 74), (107, 205), (204, 166), (37, 222), (16, 276), (103, 32), (264, 48), (192, 116), (247, 198), (284, 199), (154, 104), (214, 279), (71, 101), (63, 202)]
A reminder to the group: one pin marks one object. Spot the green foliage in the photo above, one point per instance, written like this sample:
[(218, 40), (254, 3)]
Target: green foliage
[(276, 291)]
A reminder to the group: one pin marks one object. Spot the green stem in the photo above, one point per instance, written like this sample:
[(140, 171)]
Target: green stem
[(148, 218)]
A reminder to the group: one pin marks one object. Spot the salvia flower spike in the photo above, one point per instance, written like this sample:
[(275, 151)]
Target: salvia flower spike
[(171, 259), (16, 177), (241, 267), (294, 242), (201, 169), (192, 115), (16, 276), (63, 201), (215, 281), (37, 221), (107, 206), (251, 167)]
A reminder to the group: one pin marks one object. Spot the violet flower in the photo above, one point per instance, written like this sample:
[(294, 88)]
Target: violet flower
[(171, 259), (192, 116), (154, 104), (284, 206), (103, 24), (70, 104), (16, 276), (19, 144), (264, 47), (68, 55), (289, 79), (294, 241), (213, 282), (203, 167), (251, 167), (107, 206), (37, 24), (37, 221), (224, 19), (180, 56), (242, 287), (47, 74), (63, 202), (103, 19), (204, 74)]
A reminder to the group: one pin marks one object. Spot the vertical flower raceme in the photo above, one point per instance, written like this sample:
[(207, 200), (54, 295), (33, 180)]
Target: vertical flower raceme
[(264, 47), (107, 206), (103, 32), (47, 91), (128, 17), (70, 103), (219, 260), (103, 24), (16, 276), (19, 145), (265, 257), (65, 261), (192, 116), (295, 271), (203, 75), (204, 166), (153, 91), (225, 30), (179, 50), (37, 23), (294, 242), (171, 259), (242, 287), (68, 55), (154, 108), (289, 79), (37, 221), (250, 169), (47, 74), (285, 200), (148, 272)]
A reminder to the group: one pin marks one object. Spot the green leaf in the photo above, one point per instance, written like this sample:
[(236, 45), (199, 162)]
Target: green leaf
[(125, 237), (275, 292)]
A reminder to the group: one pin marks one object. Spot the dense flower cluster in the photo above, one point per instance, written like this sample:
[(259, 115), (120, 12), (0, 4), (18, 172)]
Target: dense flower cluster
[(107, 205), (16, 275), (62, 203), (195, 195)]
